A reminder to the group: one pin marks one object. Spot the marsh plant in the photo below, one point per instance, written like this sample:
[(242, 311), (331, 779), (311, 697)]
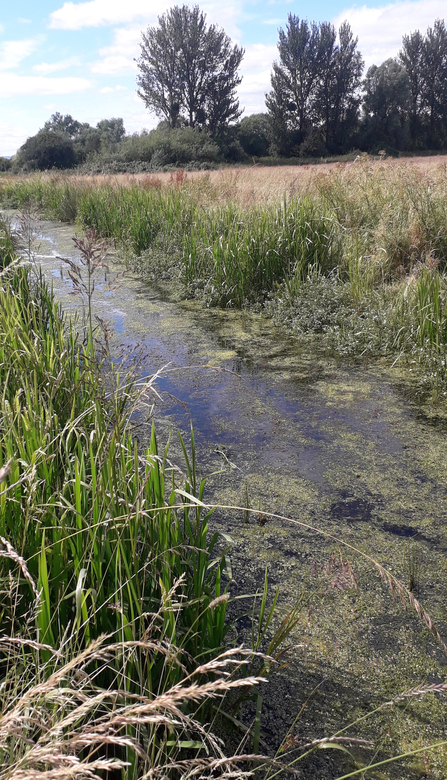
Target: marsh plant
[(97, 540), (7, 247), (84, 271), (369, 236), (27, 230), (414, 568)]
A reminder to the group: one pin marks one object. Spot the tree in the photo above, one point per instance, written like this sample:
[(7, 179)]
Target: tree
[(188, 71), (86, 139), (111, 130), (434, 92), (386, 106), (347, 98), (47, 149), (338, 98), (291, 103), (315, 98), (425, 60), (254, 134), (64, 124), (411, 58)]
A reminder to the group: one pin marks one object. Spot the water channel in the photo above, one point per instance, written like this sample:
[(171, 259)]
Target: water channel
[(343, 448)]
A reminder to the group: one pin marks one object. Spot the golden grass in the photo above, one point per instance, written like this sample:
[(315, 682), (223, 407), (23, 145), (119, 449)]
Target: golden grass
[(257, 184), (68, 727)]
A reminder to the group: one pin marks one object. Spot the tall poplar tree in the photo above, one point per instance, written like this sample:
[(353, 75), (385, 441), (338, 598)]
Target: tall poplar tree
[(425, 60), (315, 86), (434, 94), (386, 105), (291, 103), (340, 78), (411, 57), (189, 72)]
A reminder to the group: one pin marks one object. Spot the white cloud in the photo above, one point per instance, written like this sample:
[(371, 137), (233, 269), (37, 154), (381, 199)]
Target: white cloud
[(12, 85), (22, 20), (258, 56), (252, 92), (94, 13), (118, 88), (119, 57), (225, 16), (13, 52), (10, 138), (101, 12), (380, 30), (113, 64), (52, 67), (256, 68)]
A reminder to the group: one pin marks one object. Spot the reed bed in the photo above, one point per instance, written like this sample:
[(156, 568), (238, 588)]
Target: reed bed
[(355, 253), (97, 540)]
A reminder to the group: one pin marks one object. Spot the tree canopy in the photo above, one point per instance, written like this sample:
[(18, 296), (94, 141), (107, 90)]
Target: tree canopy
[(386, 106), (425, 60), (314, 98), (254, 135), (64, 142), (189, 72), (47, 149)]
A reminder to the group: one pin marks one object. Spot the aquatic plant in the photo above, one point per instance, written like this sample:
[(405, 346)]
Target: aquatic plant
[(96, 538)]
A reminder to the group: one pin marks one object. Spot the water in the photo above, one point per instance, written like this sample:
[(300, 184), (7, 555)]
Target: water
[(296, 429)]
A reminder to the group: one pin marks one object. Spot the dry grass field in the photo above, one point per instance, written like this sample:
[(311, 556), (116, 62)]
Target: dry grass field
[(257, 184)]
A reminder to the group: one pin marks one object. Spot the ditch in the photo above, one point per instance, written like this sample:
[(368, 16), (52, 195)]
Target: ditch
[(349, 449)]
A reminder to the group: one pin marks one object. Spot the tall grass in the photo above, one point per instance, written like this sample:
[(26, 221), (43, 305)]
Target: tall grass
[(378, 229), (233, 256), (97, 539), (103, 531), (237, 257)]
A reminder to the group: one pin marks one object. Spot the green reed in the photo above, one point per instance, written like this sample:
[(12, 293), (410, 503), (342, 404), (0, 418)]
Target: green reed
[(233, 254), (241, 256), (104, 532)]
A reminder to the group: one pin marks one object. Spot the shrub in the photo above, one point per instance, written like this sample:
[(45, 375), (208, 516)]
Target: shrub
[(5, 164), (47, 149)]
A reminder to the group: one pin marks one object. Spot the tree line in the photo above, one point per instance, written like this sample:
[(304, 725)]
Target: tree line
[(319, 103), (63, 142)]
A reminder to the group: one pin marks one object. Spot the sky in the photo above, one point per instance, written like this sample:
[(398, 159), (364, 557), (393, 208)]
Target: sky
[(78, 58)]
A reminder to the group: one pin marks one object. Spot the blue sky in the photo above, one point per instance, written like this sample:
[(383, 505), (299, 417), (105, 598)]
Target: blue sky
[(78, 57)]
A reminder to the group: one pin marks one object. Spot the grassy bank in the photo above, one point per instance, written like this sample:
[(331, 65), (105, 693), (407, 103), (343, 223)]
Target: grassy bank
[(356, 255), (112, 602)]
